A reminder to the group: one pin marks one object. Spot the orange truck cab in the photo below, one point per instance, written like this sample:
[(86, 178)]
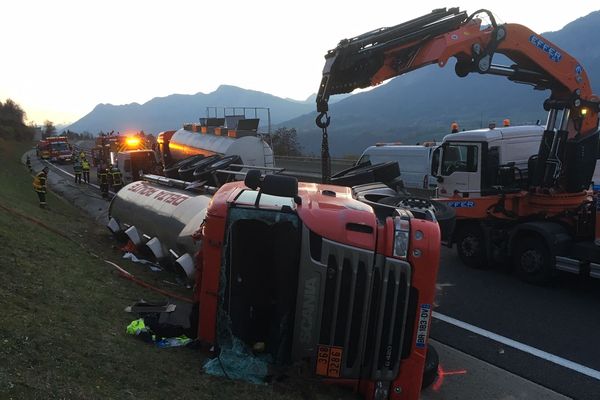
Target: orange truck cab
[(353, 282)]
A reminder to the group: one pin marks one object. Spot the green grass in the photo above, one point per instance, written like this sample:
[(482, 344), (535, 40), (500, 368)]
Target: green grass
[(62, 330)]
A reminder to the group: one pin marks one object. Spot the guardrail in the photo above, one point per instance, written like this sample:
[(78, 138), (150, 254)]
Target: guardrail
[(309, 168), (311, 164)]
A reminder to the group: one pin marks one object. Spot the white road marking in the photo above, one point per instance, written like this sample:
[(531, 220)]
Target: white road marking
[(582, 369), (70, 174)]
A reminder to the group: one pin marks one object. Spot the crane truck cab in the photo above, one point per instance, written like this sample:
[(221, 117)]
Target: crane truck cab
[(480, 162)]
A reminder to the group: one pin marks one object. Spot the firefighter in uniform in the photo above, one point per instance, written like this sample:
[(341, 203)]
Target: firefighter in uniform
[(85, 167), (39, 185), (77, 169), (103, 180), (117, 178)]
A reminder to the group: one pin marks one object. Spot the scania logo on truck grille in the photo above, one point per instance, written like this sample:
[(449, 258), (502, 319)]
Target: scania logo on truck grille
[(309, 305)]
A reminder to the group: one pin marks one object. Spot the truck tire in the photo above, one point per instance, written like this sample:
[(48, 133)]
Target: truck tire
[(366, 173), (173, 170), (430, 372), (533, 260), (445, 215), (470, 245), (186, 172)]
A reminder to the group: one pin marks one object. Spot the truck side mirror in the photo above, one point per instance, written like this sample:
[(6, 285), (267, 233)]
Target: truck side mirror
[(435, 161)]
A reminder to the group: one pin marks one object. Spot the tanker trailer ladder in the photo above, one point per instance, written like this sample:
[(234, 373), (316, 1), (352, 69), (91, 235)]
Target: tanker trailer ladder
[(269, 159)]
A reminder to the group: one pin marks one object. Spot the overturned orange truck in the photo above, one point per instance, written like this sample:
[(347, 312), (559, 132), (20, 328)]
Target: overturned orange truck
[(347, 284)]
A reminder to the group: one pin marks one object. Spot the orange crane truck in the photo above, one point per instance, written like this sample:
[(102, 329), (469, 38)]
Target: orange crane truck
[(539, 219)]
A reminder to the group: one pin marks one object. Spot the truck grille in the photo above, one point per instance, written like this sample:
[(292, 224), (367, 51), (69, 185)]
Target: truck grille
[(364, 310), (352, 302)]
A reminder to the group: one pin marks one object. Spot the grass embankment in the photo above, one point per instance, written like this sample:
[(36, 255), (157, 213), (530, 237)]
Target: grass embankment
[(62, 325)]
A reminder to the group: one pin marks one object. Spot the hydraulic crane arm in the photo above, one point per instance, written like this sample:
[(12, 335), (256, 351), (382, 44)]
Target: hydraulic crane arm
[(370, 59)]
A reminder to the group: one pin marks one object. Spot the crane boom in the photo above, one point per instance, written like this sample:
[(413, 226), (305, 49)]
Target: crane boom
[(376, 56)]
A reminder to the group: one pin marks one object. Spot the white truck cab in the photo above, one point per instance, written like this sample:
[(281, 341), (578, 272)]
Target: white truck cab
[(471, 163)]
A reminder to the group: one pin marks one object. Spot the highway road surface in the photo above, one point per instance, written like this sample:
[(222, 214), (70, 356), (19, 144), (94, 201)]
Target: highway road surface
[(548, 335)]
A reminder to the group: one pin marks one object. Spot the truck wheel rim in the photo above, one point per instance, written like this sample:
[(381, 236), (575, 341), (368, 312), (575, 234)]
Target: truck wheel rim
[(470, 246), (531, 261)]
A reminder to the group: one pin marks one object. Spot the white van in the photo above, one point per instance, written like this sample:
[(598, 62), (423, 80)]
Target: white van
[(414, 162)]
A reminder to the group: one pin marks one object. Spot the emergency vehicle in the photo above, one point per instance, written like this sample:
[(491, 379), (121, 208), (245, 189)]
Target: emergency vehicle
[(55, 149)]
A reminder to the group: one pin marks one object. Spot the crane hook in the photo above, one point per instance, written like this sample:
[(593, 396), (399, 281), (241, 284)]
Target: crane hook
[(323, 123)]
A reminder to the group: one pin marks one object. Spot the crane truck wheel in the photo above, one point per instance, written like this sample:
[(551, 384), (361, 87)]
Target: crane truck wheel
[(430, 372), (470, 245), (444, 214), (533, 261), (173, 170), (366, 173)]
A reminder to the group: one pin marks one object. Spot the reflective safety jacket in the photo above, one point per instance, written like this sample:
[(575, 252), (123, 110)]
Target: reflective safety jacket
[(103, 176), (39, 182), (117, 179), (85, 164)]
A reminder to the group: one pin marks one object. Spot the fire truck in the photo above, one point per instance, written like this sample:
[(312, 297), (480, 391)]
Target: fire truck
[(42, 150), (108, 145), (130, 153), (55, 149), (540, 217)]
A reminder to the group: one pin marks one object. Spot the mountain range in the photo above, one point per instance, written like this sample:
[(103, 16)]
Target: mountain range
[(414, 107)]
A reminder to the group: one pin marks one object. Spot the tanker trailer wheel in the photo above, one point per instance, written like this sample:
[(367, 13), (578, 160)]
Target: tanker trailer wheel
[(470, 245), (366, 173), (430, 372), (533, 260), (444, 214), (186, 172), (173, 170), (208, 171)]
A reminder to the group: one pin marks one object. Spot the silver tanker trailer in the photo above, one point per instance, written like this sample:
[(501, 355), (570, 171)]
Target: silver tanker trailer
[(158, 214)]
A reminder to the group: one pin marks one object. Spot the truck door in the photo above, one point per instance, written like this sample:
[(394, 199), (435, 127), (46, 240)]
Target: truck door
[(127, 175), (460, 169)]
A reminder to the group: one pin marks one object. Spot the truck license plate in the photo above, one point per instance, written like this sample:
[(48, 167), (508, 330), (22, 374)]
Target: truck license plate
[(329, 361)]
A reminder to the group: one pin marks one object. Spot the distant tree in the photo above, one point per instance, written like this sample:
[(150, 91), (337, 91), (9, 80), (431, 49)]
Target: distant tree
[(49, 128), (285, 142), (11, 113), (12, 122)]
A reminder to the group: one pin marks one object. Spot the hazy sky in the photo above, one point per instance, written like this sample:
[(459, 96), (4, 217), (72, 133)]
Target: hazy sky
[(60, 58)]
